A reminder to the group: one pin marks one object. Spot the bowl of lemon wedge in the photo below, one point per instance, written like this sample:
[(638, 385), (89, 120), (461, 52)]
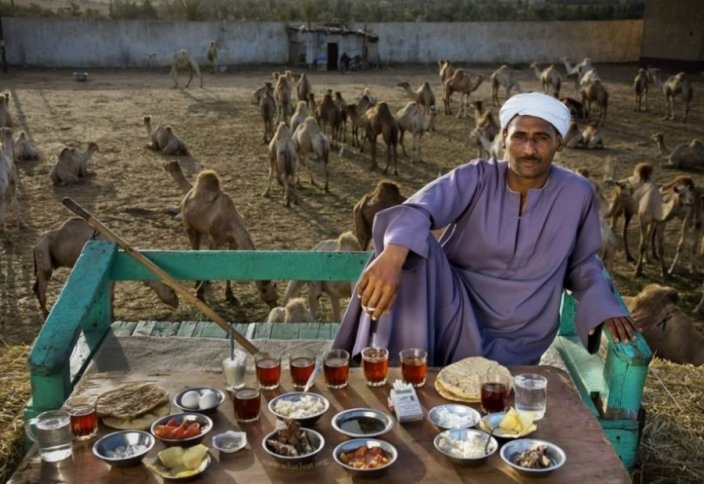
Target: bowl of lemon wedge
[(178, 463), (509, 425)]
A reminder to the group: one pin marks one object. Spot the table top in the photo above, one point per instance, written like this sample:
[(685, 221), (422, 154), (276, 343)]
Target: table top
[(567, 423)]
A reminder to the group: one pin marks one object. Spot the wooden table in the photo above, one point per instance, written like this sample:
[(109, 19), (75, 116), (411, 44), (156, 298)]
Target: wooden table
[(567, 423)]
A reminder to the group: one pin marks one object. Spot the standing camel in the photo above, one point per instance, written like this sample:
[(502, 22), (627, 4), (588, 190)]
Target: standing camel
[(503, 76), (462, 83), (310, 140), (411, 118), (677, 85), (423, 95), (549, 78), (212, 55), (379, 120), (9, 179), (183, 60), (283, 160), (264, 98), (594, 93)]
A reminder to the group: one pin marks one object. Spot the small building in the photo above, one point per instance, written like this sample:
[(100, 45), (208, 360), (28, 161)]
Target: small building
[(324, 47)]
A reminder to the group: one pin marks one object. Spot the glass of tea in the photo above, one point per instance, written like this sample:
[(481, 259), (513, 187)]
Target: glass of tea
[(301, 363), (336, 366), (246, 402), (414, 366), (494, 393), (268, 369), (376, 364), (84, 421)]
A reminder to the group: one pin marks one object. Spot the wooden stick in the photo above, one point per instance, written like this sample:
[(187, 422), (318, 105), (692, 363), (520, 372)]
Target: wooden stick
[(163, 276)]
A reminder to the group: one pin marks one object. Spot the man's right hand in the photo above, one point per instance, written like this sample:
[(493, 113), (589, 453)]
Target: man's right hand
[(379, 283)]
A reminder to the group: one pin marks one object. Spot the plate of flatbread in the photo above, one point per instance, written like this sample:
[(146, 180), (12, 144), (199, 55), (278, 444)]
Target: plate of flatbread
[(461, 381), (133, 406)]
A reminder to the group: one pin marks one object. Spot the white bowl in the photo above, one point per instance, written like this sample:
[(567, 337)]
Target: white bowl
[(472, 437), (462, 416), (309, 418), (205, 423), (220, 395), (124, 438), (509, 454), (230, 442)]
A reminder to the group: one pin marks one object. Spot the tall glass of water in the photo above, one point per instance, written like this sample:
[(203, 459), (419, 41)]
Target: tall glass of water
[(52, 433), (531, 392)]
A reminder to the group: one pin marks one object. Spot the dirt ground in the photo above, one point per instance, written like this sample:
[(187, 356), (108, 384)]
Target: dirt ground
[(130, 191)]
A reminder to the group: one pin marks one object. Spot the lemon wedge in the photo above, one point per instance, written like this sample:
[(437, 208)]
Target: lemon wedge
[(193, 456), (171, 457), (518, 423)]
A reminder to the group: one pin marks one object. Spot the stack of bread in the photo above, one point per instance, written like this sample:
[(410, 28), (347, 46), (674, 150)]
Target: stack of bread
[(133, 406)]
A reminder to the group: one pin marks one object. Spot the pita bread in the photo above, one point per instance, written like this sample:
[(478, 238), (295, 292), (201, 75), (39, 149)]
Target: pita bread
[(132, 400), (461, 381), (143, 422)]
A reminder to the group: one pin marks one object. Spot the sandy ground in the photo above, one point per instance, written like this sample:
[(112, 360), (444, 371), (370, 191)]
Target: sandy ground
[(129, 190)]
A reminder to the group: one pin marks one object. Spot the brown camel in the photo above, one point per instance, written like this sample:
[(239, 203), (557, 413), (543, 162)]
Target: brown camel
[(594, 93), (72, 165), (379, 120), (549, 78), (462, 83), (385, 195), (503, 76), (264, 98)]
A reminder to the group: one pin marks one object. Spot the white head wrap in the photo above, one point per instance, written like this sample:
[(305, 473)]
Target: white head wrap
[(539, 105)]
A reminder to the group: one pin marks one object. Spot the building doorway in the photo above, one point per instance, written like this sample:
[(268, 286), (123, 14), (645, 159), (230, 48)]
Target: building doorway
[(332, 56)]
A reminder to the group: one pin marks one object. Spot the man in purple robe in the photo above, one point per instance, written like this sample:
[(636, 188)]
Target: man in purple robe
[(518, 233)]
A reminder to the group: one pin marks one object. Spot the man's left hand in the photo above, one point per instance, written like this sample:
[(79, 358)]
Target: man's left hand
[(622, 329)]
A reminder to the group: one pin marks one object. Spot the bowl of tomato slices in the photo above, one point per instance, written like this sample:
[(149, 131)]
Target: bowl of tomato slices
[(365, 457), (184, 429)]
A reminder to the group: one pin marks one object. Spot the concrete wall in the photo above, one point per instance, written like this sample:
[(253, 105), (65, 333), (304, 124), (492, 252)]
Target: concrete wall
[(673, 31), (127, 43)]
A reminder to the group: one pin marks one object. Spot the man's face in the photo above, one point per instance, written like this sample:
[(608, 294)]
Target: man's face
[(531, 144)]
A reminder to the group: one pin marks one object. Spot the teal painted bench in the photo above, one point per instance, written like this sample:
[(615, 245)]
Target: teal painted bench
[(610, 388)]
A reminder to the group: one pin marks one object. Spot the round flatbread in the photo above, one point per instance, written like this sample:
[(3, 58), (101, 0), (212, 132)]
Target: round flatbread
[(133, 406), (461, 381)]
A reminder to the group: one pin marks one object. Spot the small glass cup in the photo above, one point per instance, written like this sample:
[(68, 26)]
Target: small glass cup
[(495, 389), (246, 402), (268, 369), (376, 364), (414, 366), (234, 370), (301, 363), (531, 393), (84, 421), (336, 366)]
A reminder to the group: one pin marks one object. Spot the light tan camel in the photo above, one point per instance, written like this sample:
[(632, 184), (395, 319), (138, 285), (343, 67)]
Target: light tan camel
[(72, 165), (379, 120), (164, 139), (685, 155), (282, 94), (328, 114), (573, 136), (346, 242), (462, 83), (303, 88), (591, 137), (667, 329), (677, 85), (264, 98), (689, 213), (576, 108), (295, 311), (24, 148), (578, 71), (641, 83), (506, 77), (423, 95), (207, 210), (183, 60), (61, 248), (342, 107), (299, 115), (386, 194), (9, 179), (283, 160), (212, 56), (410, 118), (5, 119), (310, 140), (594, 93), (445, 70), (549, 78), (494, 148)]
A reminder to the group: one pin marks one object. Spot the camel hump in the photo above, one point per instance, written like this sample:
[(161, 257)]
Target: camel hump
[(208, 180), (679, 181), (644, 171), (387, 190), (348, 241)]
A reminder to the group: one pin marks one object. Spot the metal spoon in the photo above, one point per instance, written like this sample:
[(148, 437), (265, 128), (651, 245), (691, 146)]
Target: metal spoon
[(311, 378), (488, 440)]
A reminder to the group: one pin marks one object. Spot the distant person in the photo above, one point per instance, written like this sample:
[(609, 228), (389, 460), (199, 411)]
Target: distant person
[(344, 62), (517, 233)]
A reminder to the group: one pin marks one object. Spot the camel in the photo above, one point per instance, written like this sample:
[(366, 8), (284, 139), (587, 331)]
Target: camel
[(303, 88), (310, 140), (576, 108), (5, 120), (328, 114), (677, 85), (667, 329), (640, 90), (61, 248), (446, 70), (346, 242), (282, 94), (342, 107), (609, 242), (386, 194), (72, 165), (379, 120), (573, 137), (212, 55), (578, 71), (462, 83), (503, 76), (494, 148), (423, 95), (355, 113), (264, 98), (24, 148), (299, 115), (207, 210), (295, 311), (411, 118), (593, 93), (283, 160), (9, 179), (183, 60), (549, 78), (683, 155), (689, 213), (164, 139), (591, 137)]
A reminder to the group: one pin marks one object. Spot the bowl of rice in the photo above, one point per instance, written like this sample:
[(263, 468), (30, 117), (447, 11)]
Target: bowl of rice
[(305, 408), (125, 448), (465, 446), (453, 416)]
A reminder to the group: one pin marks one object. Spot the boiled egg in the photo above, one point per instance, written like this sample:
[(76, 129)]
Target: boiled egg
[(208, 400), (190, 399)]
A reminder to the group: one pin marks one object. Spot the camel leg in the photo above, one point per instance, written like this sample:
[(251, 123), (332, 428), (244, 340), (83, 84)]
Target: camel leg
[(660, 239), (645, 235), (174, 74), (314, 292), (372, 142), (403, 148), (194, 239), (271, 177), (680, 244), (626, 222), (190, 76), (686, 112)]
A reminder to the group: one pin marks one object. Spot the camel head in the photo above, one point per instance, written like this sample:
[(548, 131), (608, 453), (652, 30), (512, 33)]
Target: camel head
[(659, 138), (643, 171), (208, 184), (267, 292), (93, 147), (22, 136), (653, 297)]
